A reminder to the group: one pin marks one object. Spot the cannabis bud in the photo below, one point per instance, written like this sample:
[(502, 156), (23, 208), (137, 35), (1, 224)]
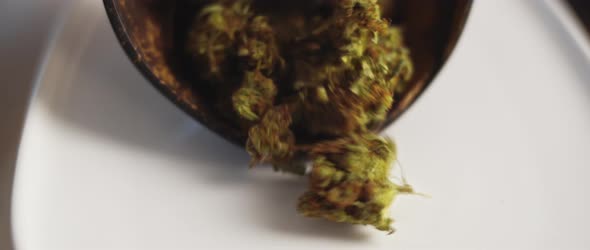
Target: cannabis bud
[(349, 181), (310, 81)]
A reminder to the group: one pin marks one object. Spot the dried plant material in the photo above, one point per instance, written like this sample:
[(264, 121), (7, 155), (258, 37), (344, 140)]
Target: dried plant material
[(226, 35), (271, 140), (255, 96), (349, 181), (313, 83)]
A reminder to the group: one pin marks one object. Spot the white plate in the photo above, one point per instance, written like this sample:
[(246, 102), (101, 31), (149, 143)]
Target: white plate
[(501, 141)]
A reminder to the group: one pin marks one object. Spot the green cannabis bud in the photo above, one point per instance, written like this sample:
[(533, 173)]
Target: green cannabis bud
[(313, 82), (255, 96), (349, 181), (271, 140)]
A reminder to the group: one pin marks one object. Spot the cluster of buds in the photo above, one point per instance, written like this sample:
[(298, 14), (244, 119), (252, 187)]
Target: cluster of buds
[(317, 91)]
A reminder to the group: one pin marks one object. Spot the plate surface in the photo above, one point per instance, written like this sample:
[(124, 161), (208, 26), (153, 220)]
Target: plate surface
[(501, 141)]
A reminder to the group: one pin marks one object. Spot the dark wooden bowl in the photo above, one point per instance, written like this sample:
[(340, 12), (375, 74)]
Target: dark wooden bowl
[(146, 30)]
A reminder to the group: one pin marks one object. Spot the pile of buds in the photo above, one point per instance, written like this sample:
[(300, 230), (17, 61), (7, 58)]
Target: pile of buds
[(309, 84)]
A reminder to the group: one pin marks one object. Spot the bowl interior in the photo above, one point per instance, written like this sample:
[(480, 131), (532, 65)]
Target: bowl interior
[(150, 31)]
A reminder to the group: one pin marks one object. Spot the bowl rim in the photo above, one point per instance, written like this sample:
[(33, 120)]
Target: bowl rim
[(134, 55), (125, 41)]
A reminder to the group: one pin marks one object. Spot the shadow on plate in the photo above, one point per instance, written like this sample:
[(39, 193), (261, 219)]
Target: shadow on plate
[(578, 63), (90, 85)]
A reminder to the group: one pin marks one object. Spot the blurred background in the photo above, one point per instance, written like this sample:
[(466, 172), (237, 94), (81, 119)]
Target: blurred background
[(501, 140), (25, 27)]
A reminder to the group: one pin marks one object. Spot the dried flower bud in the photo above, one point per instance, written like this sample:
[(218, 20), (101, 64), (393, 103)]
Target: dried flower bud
[(349, 181), (365, 66), (271, 140), (255, 96), (212, 38), (228, 33), (330, 72)]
